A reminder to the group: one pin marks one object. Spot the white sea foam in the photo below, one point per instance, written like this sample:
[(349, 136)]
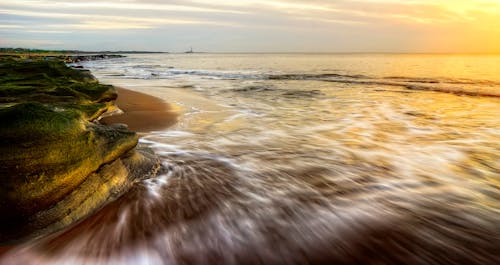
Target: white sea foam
[(361, 165)]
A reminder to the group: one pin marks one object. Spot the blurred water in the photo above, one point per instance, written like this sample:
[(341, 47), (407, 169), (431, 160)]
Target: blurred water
[(305, 159)]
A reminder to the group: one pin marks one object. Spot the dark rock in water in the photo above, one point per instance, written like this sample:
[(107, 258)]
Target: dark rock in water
[(90, 57), (56, 164), (121, 126)]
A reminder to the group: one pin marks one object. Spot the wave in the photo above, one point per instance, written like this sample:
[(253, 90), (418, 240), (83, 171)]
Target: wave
[(414, 80), (456, 91), (443, 80), (463, 87), (319, 77), (480, 88), (255, 88), (289, 93)]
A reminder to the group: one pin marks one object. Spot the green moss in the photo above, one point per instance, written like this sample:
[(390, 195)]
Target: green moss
[(46, 151), (21, 78), (88, 111), (95, 91), (33, 68), (48, 146), (33, 120)]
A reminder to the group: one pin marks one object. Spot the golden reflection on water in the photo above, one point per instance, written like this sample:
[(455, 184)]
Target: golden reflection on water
[(261, 171)]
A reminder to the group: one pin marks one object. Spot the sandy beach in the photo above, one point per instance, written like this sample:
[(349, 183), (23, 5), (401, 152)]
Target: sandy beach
[(142, 112), (267, 160)]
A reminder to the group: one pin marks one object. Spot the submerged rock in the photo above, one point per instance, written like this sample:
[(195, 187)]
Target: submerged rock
[(57, 165)]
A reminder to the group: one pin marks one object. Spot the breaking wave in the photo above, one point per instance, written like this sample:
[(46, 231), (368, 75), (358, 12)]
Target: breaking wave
[(467, 87)]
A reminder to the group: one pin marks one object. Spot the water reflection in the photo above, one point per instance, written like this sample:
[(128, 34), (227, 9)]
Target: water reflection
[(303, 172)]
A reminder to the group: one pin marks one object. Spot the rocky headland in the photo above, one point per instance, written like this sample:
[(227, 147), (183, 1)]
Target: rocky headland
[(62, 56), (58, 163), (82, 58)]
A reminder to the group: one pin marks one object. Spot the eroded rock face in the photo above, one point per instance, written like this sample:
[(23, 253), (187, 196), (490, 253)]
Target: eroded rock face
[(108, 183), (57, 164), (46, 153)]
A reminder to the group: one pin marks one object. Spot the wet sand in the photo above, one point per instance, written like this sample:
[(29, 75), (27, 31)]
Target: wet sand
[(142, 112)]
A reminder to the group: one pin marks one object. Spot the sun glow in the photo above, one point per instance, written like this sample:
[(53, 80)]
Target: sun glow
[(341, 26)]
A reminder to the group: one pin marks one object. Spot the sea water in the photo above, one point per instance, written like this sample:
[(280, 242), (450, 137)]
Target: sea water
[(304, 159)]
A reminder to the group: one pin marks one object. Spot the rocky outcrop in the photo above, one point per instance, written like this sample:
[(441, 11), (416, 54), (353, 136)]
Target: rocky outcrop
[(90, 57), (57, 163), (72, 57)]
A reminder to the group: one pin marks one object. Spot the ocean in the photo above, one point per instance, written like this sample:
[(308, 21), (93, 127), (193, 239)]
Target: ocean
[(306, 159)]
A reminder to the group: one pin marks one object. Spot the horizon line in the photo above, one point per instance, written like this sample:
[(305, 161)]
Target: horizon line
[(261, 52)]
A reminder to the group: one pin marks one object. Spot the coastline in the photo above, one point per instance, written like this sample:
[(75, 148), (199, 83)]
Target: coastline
[(266, 161)]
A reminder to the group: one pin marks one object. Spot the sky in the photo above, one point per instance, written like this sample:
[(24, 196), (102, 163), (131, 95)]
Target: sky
[(446, 26)]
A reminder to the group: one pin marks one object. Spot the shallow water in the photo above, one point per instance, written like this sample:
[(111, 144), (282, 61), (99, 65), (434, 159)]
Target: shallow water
[(305, 159)]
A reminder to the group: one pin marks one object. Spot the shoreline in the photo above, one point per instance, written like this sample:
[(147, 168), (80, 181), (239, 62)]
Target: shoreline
[(141, 112)]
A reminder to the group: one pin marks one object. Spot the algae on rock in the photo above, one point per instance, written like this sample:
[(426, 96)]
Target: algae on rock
[(51, 148)]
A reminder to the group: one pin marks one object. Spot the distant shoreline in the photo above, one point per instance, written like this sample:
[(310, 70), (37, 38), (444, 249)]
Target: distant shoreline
[(20, 51)]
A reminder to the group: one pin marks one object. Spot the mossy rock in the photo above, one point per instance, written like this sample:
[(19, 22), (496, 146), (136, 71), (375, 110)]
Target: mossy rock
[(45, 153), (33, 69), (29, 121), (51, 148), (101, 187), (51, 80)]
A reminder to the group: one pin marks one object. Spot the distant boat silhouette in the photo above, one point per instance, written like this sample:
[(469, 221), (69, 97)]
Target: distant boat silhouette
[(190, 51)]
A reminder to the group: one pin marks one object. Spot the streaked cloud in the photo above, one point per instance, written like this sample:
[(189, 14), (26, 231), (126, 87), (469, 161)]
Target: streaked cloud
[(257, 25), (116, 5)]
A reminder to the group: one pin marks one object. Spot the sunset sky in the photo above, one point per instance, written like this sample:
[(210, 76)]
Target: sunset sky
[(253, 25)]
